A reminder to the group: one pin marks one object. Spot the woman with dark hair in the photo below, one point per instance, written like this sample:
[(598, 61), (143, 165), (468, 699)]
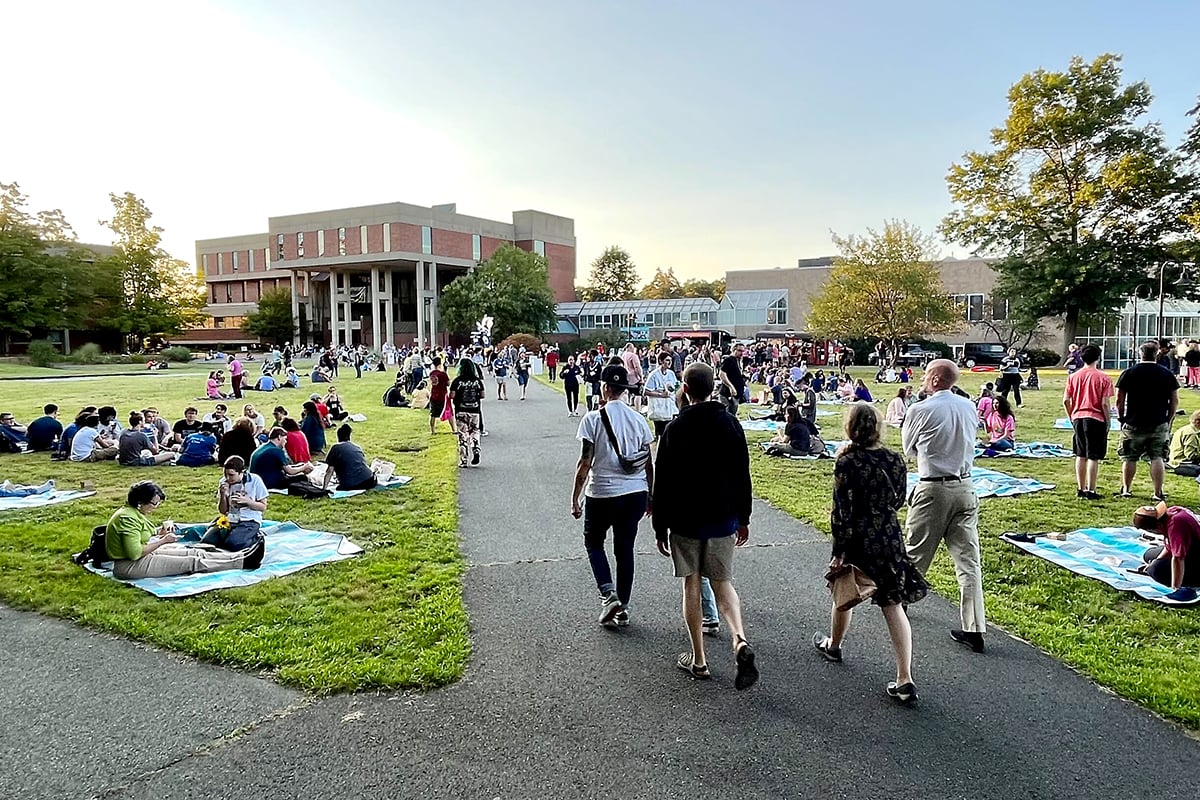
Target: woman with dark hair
[(466, 394), (240, 441), (869, 487), (241, 500), (333, 402), (297, 443), (1176, 562), (138, 549), (1001, 425), (312, 423), (796, 438), (108, 422)]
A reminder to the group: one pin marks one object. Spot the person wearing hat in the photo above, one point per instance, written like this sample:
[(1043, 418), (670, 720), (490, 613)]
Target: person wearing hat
[(615, 465), (1176, 562)]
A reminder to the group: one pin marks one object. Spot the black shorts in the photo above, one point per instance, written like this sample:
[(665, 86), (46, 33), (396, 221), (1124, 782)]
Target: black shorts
[(1091, 438), (436, 407)]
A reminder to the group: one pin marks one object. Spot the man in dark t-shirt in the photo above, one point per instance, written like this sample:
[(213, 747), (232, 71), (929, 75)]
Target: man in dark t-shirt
[(733, 383), (188, 425), (1147, 397), (42, 433), (347, 462)]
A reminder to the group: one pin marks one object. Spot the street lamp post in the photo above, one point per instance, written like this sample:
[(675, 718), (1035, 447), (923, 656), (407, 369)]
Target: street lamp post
[(1133, 327)]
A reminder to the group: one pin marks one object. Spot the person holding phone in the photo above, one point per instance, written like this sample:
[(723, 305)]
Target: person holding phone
[(242, 499)]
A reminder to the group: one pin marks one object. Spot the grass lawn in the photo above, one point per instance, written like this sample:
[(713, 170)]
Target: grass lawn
[(1143, 651), (393, 617)]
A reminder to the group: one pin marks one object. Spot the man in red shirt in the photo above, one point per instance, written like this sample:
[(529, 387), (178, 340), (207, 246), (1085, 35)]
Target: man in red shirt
[(552, 362), (439, 382), (1088, 400)]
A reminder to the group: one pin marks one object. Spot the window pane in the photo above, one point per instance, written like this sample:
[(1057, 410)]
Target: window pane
[(426, 239), (476, 248)]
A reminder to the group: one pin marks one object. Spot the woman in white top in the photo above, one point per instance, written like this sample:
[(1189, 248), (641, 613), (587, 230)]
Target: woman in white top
[(260, 423), (896, 409)]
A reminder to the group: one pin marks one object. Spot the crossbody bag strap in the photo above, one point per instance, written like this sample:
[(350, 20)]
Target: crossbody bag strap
[(612, 437)]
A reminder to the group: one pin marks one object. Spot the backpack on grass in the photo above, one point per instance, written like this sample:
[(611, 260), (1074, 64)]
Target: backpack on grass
[(97, 549)]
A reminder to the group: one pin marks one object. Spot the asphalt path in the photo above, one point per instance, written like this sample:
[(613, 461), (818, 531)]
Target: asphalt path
[(553, 705)]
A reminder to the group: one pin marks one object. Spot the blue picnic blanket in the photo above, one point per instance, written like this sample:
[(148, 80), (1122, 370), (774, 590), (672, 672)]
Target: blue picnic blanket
[(1105, 554), (290, 548), (14, 496), (338, 494), (1027, 450), (990, 483), (1064, 424)]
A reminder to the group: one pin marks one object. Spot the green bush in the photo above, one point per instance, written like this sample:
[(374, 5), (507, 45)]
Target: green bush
[(177, 354), (42, 353), (88, 354)]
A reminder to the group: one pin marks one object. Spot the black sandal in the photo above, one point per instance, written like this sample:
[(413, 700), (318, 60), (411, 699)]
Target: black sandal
[(747, 673), (700, 673)]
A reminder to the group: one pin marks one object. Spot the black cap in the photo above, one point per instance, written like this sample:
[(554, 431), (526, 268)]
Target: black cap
[(615, 375)]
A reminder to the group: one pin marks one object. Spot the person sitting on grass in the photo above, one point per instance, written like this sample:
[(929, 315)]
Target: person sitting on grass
[(218, 419), (271, 463), (199, 449), (312, 423), (987, 402), (897, 408), (279, 415), (347, 462), (394, 397), (297, 443), (291, 379), (258, 422), (157, 428), (137, 447), (213, 387), (187, 426), (798, 438), (320, 375), (89, 444), (239, 441), (44, 432), (140, 550), (336, 410), (108, 422), (1001, 426), (265, 383), (241, 500), (68, 434), (861, 393), (1176, 563), (13, 435), (1184, 455)]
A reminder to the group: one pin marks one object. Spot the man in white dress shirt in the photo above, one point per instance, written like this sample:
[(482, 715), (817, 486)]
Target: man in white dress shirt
[(940, 432)]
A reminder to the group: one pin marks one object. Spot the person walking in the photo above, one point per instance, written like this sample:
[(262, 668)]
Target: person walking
[(940, 433), (1010, 376), (633, 366), (523, 371), (570, 378), (661, 385), (466, 394), (615, 465), (552, 362), (699, 538), (1087, 399), (1147, 398), (236, 371), (869, 486), (439, 383), (733, 383)]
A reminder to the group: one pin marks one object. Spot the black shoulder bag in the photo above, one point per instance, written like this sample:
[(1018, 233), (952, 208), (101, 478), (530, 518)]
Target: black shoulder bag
[(631, 465)]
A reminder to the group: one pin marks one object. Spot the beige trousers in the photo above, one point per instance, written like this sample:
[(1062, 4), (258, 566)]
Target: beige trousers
[(175, 559), (949, 512)]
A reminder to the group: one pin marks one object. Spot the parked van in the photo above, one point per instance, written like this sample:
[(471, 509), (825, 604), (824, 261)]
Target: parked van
[(983, 354)]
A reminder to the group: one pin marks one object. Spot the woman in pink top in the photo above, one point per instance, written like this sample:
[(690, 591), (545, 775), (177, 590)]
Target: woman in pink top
[(1001, 425), (986, 403)]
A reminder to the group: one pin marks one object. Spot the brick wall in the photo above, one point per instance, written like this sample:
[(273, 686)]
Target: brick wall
[(375, 238), (560, 262), (406, 238), (488, 246), (451, 244)]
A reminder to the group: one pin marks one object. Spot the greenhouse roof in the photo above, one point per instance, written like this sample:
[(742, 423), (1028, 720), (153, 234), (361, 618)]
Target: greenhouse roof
[(682, 305), (758, 298)]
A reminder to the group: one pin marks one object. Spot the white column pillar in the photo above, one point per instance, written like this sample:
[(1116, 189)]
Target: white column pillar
[(348, 338), (389, 311), (433, 300), (376, 333), (420, 304), (295, 308), (335, 331)]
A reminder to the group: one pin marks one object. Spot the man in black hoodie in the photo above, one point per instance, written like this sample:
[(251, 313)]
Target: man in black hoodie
[(698, 527)]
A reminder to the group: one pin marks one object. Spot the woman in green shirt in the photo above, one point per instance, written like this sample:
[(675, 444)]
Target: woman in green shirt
[(140, 550)]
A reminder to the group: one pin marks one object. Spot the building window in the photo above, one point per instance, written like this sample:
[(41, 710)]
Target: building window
[(218, 322), (539, 247), (250, 253), (362, 239), (321, 242), (587, 322), (999, 308), (220, 263), (476, 247), (204, 262), (279, 248), (777, 312), (229, 292), (235, 261), (974, 308), (341, 241), (426, 239), (387, 237), (300, 244)]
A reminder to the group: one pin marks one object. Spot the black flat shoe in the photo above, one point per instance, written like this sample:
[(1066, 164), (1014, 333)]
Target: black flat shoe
[(904, 693), (747, 672), (830, 653), (969, 638)]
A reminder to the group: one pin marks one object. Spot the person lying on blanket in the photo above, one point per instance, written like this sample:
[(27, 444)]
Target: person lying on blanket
[(241, 500), (1176, 563), (138, 549)]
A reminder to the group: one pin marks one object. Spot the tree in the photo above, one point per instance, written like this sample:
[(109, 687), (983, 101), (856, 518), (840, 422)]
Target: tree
[(884, 285), (1080, 196), (511, 287), (663, 286), (45, 282), (149, 292), (614, 277), (694, 287), (272, 321), (1015, 327)]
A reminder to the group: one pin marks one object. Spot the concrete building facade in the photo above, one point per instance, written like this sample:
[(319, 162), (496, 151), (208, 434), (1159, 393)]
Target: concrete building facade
[(367, 275)]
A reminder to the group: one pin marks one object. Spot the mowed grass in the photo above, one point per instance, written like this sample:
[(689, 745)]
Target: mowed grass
[(1143, 651), (393, 617)]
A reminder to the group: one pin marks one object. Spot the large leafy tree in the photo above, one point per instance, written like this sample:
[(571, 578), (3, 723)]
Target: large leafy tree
[(149, 292), (694, 287), (614, 277), (1080, 196), (663, 286), (884, 285), (45, 283), (272, 321), (511, 287)]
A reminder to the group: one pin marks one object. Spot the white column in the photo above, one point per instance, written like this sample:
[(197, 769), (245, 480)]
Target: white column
[(335, 331), (295, 309), (389, 312), (420, 304), (349, 333), (433, 288), (375, 327)]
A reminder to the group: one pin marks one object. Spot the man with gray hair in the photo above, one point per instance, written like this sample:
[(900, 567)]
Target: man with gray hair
[(940, 432)]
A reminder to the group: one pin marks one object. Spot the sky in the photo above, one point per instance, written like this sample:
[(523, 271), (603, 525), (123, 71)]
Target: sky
[(700, 136)]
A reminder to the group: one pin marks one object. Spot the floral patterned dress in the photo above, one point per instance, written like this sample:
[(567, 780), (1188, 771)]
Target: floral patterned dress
[(868, 489)]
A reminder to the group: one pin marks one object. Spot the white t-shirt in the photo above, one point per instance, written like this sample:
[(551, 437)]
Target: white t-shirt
[(83, 443), (226, 424), (253, 487), (662, 408), (633, 435)]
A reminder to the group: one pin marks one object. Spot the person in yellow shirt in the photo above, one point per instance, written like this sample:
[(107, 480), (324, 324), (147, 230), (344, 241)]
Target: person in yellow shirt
[(1185, 448)]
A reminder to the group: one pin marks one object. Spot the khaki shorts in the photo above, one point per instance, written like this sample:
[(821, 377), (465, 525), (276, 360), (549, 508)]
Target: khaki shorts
[(712, 558), (1153, 443)]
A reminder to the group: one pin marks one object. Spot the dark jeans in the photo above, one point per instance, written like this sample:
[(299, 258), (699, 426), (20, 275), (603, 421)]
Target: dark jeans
[(572, 391), (235, 383), (622, 514), (1010, 383), (553, 372), (239, 537), (1158, 566)]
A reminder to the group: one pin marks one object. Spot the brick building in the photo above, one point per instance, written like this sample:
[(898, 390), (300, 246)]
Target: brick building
[(366, 275)]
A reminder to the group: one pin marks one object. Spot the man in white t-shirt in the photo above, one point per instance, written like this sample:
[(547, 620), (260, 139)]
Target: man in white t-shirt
[(617, 495), (660, 394)]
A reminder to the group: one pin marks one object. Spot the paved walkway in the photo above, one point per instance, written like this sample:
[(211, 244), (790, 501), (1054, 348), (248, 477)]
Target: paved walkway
[(553, 705)]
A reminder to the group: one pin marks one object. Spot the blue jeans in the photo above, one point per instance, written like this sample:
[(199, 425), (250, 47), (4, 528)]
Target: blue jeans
[(239, 537), (622, 514), (708, 602)]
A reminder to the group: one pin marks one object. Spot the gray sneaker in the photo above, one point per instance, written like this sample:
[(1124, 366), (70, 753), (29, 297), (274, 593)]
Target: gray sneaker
[(612, 607), (622, 618), (710, 627)]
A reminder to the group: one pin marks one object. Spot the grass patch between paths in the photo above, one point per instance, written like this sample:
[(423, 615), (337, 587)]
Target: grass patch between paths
[(393, 617)]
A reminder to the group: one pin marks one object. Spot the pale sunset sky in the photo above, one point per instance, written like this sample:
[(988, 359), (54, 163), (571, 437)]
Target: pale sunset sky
[(702, 136)]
